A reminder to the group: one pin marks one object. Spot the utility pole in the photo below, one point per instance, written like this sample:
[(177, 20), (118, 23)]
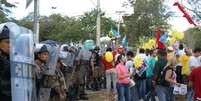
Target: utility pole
[(36, 21), (98, 27), (120, 17)]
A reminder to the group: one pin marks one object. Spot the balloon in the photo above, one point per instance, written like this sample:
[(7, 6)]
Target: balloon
[(148, 46), (109, 57), (138, 61), (174, 34), (178, 35), (152, 42), (111, 34), (172, 41), (89, 44)]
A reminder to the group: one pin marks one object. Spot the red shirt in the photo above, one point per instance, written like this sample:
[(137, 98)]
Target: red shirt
[(106, 64), (195, 77), (114, 54)]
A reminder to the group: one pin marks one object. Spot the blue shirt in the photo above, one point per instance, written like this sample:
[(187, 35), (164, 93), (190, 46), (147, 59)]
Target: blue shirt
[(150, 66)]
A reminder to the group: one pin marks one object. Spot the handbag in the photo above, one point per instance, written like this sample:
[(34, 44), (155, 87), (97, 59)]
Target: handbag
[(180, 89)]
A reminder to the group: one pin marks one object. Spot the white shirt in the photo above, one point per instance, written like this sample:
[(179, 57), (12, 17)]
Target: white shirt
[(144, 56), (180, 52), (194, 62), (116, 56), (130, 66), (200, 60)]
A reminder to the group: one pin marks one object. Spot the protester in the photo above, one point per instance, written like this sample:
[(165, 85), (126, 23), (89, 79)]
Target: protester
[(195, 82), (149, 75), (110, 74), (140, 76), (122, 79), (158, 68), (193, 63)]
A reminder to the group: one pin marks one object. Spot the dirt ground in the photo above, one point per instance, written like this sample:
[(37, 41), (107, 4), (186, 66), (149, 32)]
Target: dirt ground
[(96, 96)]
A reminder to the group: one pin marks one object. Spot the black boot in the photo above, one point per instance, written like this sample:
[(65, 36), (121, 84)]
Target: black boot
[(97, 85), (83, 98), (83, 95)]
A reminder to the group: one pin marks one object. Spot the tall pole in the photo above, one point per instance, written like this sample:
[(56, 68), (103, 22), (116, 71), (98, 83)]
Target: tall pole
[(119, 23), (98, 27), (120, 17), (36, 20)]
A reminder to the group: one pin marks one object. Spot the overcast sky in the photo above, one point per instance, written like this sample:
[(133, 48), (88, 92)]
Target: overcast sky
[(78, 7)]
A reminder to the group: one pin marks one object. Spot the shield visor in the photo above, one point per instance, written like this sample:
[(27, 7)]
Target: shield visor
[(52, 59)]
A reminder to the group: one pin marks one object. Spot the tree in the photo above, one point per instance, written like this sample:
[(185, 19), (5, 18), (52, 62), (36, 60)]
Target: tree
[(88, 21), (5, 10), (193, 38), (148, 15), (194, 6), (66, 29)]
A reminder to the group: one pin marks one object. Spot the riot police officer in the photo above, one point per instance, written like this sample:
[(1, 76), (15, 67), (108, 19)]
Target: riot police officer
[(41, 56), (5, 78), (96, 68), (50, 86), (83, 59)]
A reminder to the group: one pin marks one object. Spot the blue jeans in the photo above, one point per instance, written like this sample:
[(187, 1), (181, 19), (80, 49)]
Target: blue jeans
[(142, 88), (161, 93), (149, 84), (190, 94), (134, 94), (164, 93), (110, 80), (123, 91)]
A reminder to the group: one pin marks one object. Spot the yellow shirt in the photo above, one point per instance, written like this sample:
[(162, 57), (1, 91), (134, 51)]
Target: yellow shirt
[(184, 59)]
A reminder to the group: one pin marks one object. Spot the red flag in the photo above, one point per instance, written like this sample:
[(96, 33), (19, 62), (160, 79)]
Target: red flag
[(158, 35), (186, 15)]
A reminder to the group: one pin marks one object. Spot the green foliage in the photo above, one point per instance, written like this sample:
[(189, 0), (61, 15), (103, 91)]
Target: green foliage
[(194, 8), (148, 15), (5, 10), (193, 38), (66, 29)]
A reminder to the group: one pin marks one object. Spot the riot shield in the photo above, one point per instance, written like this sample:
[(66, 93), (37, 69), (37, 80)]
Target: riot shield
[(52, 59), (22, 59)]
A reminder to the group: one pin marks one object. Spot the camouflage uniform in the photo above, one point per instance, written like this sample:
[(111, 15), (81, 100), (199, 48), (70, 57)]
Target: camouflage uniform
[(84, 64), (60, 94), (40, 70), (5, 78), (96, 70), (48, 86), (69, 61)]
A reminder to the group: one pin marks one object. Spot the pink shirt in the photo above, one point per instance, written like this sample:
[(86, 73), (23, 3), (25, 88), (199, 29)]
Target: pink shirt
[(122, 70)]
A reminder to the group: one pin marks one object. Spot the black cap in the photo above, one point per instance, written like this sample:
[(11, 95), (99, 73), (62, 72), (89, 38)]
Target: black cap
[(43, 49), (97, 48), (4, 34)]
